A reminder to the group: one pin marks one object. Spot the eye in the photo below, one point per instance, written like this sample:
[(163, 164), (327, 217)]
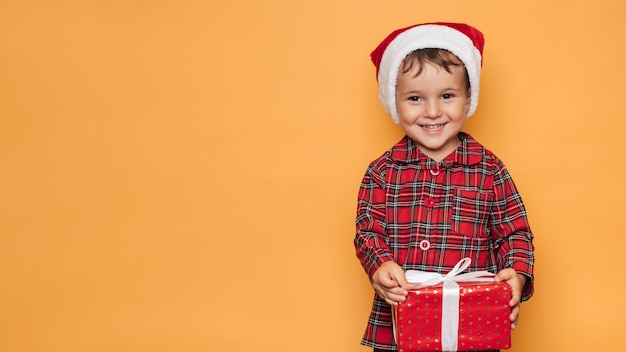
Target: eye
[(447, 96), (414, 98)]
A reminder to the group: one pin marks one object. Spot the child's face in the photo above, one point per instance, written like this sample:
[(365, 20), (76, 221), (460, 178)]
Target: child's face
[(432, 108)]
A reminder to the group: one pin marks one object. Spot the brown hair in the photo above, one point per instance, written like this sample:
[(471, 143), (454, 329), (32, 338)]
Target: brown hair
[(439, 57)]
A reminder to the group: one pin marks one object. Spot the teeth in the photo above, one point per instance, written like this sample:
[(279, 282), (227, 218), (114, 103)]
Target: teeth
[(432, 127)]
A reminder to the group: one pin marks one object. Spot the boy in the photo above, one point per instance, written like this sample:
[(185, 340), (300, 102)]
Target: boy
[(437, 196)]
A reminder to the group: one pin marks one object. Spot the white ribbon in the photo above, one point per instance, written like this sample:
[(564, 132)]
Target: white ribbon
[(450, 297)]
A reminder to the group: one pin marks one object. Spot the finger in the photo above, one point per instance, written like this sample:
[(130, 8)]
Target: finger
[(400, 278), (387, 291), (514, 316), (394, 299), (514, 323), (388, 281), (395, 292), (515, 299), (391, 296), (504, 275), (380, 291), (391, 302)]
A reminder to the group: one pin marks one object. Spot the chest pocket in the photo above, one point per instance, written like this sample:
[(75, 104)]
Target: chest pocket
[(470, 214)]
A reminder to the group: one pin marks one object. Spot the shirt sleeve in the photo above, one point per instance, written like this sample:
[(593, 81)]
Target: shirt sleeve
[(511, 230), (371, 240)]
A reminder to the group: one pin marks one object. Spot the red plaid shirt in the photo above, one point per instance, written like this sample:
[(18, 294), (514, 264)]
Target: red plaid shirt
[(427, 216)]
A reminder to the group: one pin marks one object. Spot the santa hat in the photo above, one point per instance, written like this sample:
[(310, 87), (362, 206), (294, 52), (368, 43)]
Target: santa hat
[(464, 41)]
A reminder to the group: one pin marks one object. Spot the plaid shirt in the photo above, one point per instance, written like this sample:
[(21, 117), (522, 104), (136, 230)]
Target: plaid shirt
[(427, 216)]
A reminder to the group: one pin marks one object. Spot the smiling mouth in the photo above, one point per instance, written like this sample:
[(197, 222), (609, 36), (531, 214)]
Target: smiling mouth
[(432, 128)]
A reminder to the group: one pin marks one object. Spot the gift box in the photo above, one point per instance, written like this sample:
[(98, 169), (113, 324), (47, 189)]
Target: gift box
[(454, 316)]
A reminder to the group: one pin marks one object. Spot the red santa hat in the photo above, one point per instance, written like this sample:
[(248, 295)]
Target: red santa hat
[(464, 41)]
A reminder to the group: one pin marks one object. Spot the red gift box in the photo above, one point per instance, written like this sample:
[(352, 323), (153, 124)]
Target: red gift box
[(422, 322)]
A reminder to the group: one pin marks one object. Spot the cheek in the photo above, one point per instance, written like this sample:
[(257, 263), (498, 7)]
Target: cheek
[(407, 113)]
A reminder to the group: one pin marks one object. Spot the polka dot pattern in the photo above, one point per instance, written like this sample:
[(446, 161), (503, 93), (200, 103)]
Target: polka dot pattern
[(483, 318)]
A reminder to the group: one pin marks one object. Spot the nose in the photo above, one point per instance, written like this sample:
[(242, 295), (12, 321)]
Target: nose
[(432, 109)]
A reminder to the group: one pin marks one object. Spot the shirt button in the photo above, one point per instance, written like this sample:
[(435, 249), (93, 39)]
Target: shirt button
[(429, 202), (424, 245)]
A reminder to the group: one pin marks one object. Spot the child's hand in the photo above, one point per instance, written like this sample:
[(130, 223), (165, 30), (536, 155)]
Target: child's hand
[(517, 282), (390, 283)]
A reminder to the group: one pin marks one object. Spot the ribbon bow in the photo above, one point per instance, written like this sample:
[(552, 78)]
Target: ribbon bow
[(424, 278), (450, 296)]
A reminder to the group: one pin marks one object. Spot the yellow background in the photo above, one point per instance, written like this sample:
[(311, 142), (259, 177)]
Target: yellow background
[(181, 175)]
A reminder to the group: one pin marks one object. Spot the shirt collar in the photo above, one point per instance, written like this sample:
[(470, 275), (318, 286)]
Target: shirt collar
[(469, 152)]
